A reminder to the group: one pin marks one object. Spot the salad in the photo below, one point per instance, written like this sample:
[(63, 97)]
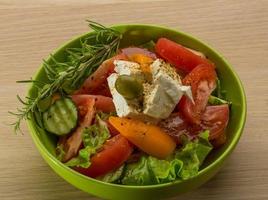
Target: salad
[(137, 115)]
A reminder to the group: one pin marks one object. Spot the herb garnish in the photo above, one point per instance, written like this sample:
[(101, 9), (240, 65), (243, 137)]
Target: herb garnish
[(66, 77)]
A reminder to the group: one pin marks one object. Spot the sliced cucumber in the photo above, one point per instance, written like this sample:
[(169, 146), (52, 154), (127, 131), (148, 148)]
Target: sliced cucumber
[(61, 117)]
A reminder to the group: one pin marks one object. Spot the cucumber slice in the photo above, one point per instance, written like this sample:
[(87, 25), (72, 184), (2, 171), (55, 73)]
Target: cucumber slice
[(61, 117)]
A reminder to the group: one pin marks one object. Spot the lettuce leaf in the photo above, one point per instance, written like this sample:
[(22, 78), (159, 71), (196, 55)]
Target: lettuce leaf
[(203, 146), (112, 177), (212, 100), (193, 154), (93, 138), (218, 91), (183, 164), (139, 173), (164, 170), (60, 153), (149, 45)]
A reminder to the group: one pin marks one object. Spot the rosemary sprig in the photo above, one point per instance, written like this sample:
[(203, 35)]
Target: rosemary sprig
[(65, 77)]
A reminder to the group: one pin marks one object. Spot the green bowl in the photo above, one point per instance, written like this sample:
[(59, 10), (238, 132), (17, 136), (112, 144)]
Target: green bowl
[(136, 35)]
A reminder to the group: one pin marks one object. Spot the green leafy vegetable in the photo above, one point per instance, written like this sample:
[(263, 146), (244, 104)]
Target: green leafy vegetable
[(139, 173), (193, 154), (68, 76), (218, 92), (184, 164), (112, 177), (150, 170), (149, 45), (203, 146), (164, 170), (217, 101), (60, 153), (93, 138), (105, 116)]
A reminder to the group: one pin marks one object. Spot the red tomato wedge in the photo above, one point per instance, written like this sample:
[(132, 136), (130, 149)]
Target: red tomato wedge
[(97, 82), (202, 80), (217, 142), (102, 103), (115, 152), (175, 126), (74, 142), (215, 119), (129, 51), (178, 55)]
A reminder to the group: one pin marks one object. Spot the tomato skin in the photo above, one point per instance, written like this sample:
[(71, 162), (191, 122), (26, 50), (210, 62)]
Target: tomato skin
[(219, 141), (178, 55), (201, 73), (97, 82), (115, 152), (175, 126), (129, 51), (187, 109), (102, 103), (202, 80), (215, 119)]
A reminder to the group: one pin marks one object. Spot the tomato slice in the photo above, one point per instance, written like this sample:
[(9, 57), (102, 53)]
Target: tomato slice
[(102, 103), (215, 119), (74, 142), (115, 152), (97, 82), (219, 141), (178, 55), (202, 80), (174, 126), (129, 51)]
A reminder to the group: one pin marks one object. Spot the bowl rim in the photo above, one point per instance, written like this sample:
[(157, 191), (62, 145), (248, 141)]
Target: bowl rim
[(31, 125)]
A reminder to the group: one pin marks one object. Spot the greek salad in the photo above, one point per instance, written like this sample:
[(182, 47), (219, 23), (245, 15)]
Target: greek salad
[(137, 115)]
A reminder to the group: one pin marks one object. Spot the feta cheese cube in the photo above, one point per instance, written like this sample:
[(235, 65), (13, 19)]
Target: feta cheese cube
[(159, 97), (127, 68), (166, 91)]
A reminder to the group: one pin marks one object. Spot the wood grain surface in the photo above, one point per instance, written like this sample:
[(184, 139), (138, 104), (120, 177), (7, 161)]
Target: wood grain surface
[(31, 29)]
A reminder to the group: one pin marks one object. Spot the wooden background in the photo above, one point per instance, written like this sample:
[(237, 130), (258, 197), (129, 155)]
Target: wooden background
[(30, 29)]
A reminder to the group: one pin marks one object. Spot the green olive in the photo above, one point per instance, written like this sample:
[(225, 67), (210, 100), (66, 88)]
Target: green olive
[(129, 86)]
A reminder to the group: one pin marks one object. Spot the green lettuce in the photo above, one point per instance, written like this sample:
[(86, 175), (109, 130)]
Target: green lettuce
[(139, 173), (112, 177), (164, 170), (149, 45), (60, 153), (218, 91), (183, 164), (93, 139), (217, 101)]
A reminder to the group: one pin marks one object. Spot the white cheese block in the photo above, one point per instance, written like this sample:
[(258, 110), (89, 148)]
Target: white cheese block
[(166, 91), (127, 68)]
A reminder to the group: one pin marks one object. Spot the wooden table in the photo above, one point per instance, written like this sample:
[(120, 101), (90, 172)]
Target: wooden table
[(30, 29)]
